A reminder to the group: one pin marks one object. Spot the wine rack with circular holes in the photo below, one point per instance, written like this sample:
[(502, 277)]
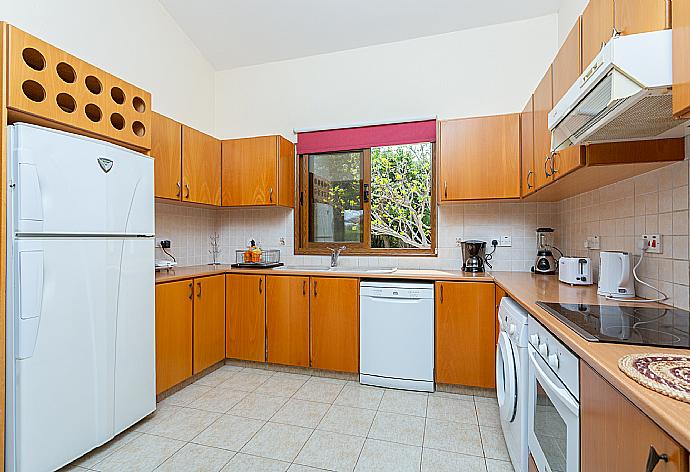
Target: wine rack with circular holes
[(50, 84)]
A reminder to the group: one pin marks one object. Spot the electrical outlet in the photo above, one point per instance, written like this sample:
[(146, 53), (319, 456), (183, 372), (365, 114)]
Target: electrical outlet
[(458, 242), (165, 244), (592, 242), (505, 241), (282, 241), (653, 243)]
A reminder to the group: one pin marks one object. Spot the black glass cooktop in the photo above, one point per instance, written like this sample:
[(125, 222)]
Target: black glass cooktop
[(664, 327)]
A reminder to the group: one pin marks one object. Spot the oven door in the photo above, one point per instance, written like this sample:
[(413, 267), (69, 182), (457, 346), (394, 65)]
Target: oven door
[(554, 420)]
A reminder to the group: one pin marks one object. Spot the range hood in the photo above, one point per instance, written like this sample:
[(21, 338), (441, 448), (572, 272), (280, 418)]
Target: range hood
[(623, 95)]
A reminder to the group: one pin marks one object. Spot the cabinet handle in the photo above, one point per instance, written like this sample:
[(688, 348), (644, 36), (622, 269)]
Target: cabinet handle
[(179, 190), (186, 186), (653, 459), (441, 294), (529, 185), (270, 194), (315, 288), (304, 287), (191, 290), (261, 282), (198, 293), (554, 169), (445, 189), (546, 170)]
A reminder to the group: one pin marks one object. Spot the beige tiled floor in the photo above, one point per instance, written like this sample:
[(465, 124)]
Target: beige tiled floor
[(242, 419)]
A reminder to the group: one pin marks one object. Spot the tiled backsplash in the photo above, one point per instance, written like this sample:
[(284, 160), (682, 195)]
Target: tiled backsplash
[(651, 203), (656, 202)]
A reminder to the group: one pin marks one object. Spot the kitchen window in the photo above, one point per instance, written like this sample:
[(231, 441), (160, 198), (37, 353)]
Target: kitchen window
[(376, 200)]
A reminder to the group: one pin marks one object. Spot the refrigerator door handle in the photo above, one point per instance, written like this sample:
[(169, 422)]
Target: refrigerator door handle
[(30, 300)]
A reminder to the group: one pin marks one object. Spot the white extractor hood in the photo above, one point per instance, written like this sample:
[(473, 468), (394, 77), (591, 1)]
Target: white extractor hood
[(623, 95)]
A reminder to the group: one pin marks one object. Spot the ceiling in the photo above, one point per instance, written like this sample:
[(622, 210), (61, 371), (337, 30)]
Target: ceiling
[(235, 33)]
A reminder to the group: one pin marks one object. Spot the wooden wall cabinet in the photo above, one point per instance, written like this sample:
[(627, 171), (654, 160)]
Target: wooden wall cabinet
[(245, 317), (174, 305), (597, 28), (287, 320), (209, 321), (480, 158), (543, 103), (681, 57), (258, 172), (616, 435), (334, 324), (527, 169), (466, 333), (187, 162), (201, 167), (567, 65), (166, 150)]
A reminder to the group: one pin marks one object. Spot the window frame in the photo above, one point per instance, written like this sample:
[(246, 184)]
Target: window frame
[(363, 248)]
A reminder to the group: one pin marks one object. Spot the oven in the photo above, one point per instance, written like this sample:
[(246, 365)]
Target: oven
[(554, 408)]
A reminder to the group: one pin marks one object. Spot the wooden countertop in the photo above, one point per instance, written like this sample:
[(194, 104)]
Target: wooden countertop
[(181, 273), (671, 415)]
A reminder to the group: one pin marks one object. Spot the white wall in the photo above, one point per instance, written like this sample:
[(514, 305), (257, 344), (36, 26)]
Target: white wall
[(482, 71), (134, 39), (567, 15)]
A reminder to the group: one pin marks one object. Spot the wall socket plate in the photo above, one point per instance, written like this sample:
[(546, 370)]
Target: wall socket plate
[(505, 241), (592, 242), (653, 243)]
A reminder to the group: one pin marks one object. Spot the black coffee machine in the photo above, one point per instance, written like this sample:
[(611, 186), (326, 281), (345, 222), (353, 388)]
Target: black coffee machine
[(473, 255)]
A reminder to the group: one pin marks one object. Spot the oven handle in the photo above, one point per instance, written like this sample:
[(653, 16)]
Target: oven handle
[(563, 394)]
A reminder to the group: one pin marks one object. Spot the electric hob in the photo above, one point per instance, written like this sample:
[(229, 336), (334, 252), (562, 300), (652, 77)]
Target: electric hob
[(663, 327)]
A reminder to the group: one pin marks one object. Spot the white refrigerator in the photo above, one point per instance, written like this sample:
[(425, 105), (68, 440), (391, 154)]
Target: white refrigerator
[(80, 295)]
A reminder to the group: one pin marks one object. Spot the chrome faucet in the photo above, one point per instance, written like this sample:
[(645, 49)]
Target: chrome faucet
[(335, 254)]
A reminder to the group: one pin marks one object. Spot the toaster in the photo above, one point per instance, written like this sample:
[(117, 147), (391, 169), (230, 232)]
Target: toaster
[(575, 270)]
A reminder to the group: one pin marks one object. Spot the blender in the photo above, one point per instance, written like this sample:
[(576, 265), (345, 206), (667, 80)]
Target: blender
[(545, 263)]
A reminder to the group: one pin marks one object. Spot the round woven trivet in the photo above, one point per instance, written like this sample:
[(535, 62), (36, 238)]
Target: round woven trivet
[(667, 374)]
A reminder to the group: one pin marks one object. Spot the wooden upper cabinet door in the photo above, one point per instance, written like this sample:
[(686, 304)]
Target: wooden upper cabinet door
[(209, 321), (615, 435), (245, 317), (597, 28), (681, 57), (527, 148), (543, 103), (334, 324), (286, 173), (287, 320), (641, 16), (250, 171), (567, 160), (567, 65), (466, 333), (166, 150), (201, 164), (480, 158), (173, 333)]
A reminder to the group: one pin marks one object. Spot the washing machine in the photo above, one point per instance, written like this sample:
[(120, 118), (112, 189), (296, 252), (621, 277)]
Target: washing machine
[(512, 385)]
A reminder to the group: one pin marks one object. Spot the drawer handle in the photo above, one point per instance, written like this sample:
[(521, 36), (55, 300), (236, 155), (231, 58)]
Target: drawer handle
[(191, 290), (304, 287), (529, 185), (261, 282), (441, 294), (445, 189), (653, 459), (546, 161), (179, 190), (198, 285), (186, 186), (315, 288), (270, 194)]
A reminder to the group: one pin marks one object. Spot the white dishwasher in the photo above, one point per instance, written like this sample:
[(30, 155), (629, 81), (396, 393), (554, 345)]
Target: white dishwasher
[(396, 335)]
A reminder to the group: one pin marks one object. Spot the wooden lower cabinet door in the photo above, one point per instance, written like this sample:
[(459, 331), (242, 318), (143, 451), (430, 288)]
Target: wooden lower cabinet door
[(615, 435), (173, 333), (209, 321), (287, 320), (245, 317), (466, 333), (334, 324)]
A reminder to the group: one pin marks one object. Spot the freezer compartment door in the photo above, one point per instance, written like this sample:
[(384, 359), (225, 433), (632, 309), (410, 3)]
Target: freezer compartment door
[(63, 385), (397, 338), (68, 184), (135, 348)]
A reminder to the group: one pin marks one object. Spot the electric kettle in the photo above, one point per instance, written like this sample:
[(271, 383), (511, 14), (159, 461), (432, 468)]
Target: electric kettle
[(615, 275)]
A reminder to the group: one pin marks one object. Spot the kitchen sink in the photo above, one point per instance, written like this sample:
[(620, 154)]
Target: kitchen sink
[(362, 270)]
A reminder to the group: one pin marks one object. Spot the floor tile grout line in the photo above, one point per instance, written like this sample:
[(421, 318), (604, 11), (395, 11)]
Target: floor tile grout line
[(426, 416)]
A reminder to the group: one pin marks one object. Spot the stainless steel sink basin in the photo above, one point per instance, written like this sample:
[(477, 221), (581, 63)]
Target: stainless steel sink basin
[(359, 270)]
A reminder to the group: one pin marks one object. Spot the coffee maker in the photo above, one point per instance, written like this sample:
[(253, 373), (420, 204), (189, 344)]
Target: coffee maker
[(545, 263), (473, 255)]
